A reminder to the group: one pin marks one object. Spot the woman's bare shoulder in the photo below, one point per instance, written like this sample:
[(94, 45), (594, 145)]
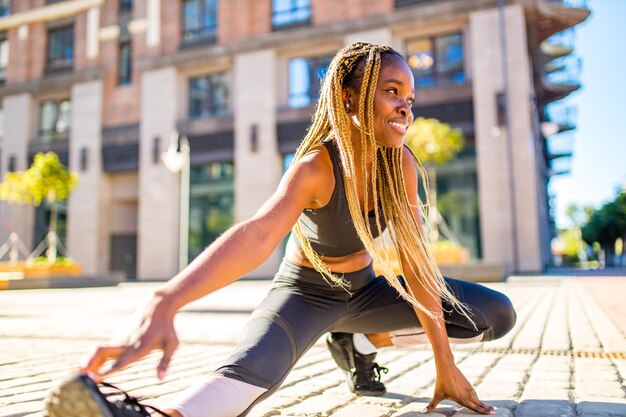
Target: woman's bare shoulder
[(316, 169)]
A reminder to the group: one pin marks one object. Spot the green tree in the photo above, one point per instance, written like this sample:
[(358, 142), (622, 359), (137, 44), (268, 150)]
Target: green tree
[(434, 143), (48, 180), (606, 225)]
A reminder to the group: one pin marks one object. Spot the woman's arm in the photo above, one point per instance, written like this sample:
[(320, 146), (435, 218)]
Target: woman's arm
[(246, 245), (450, 381), (239, 250)]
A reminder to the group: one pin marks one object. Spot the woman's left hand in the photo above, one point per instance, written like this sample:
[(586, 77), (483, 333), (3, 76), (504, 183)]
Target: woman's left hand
[(452, 385)]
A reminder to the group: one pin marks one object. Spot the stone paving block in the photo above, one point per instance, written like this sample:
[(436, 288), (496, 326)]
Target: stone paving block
[(500, 412), (539, 393), (319, 405), (608, 390), (415, 409), (545, 408), (602, 407), (362, 410)]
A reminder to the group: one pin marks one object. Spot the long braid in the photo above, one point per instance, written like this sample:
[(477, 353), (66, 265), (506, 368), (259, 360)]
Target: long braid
[(384, 180)]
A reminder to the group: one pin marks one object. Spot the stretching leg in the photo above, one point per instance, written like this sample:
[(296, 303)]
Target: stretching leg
[(282, 328)]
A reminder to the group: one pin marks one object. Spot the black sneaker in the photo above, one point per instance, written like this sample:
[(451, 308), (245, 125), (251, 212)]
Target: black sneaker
[(80, 396), (362, 373)]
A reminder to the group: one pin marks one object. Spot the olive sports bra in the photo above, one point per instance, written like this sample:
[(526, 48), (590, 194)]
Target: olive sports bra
[(330, 228)]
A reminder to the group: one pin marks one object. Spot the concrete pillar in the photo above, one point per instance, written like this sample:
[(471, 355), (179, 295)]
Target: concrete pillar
[(17, 133), (87, 219), (159, 189), (494, 179), (257, 171)]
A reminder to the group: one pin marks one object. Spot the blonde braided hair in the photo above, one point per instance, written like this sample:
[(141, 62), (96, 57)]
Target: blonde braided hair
[(360, 63)]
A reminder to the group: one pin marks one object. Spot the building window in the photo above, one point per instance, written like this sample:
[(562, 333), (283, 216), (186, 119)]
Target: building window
[(126, 6), (5, 8), (60, 49), (1, 124), (199, 21), (290, 13), (209, 95), (405, 3), (211, 204), (54, 120), (4, 58), (437, 60), (305, 76), (124, 65)]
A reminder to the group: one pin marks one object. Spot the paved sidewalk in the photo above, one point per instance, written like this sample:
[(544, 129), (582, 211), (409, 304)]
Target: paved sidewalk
[(566, 356)]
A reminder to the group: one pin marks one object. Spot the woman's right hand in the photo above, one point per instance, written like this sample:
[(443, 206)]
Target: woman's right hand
[(150, 328)]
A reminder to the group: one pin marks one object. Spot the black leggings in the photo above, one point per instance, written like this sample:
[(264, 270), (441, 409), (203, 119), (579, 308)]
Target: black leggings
[(301, 306)]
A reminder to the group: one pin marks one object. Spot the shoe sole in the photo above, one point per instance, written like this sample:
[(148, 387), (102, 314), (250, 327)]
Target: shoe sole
[(73, 398)]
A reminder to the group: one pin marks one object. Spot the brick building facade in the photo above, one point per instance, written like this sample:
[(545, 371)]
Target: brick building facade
[(104, 83)]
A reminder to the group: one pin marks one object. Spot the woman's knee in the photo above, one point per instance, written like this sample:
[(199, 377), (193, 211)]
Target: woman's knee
[(501, 315)]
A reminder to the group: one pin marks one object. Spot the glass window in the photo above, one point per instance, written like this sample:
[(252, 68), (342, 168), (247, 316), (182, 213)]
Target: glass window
[(305, 76), (60, 49), (4, 58), (1, 124), (126, 6), (287, 13), (211, 205), (437, 60), (5, 8), (125, 59), (54, 120), (199, 21), (209, 95)]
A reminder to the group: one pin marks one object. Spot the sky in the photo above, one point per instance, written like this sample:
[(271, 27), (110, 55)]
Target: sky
[(598, 166)]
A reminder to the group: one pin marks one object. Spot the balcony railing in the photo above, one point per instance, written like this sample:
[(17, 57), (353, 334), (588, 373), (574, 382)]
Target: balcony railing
[(564, 116), (582, 4), (203, 35), (566, 38), (569, 75), (54, 65)]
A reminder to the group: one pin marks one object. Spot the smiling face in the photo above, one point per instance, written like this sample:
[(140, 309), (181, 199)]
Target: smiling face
[(393, 100)]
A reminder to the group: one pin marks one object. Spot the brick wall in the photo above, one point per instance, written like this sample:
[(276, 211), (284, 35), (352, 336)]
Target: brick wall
[(243, 19), (331, 11)]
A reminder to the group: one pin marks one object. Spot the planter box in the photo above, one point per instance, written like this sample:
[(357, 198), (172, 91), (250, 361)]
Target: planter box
[(23, 270), (40, 271)]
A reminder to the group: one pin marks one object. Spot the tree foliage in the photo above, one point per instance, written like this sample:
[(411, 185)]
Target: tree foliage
[(434, 142), (608, 223), (47, 179), (14, 189)]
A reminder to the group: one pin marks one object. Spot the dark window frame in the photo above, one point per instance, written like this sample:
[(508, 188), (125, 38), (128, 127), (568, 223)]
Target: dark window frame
[(64, 62), (124, 75), (293, 10), (214, 109), (204, 34), (52, 134), (439, 78)]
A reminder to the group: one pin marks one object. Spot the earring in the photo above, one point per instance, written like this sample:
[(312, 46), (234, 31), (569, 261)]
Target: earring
[(347, 105)]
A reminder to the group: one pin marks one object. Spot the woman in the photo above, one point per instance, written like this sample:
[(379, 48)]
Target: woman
[(352, 178)]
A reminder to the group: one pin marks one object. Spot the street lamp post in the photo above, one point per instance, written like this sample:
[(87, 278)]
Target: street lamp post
[(176, 159)]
